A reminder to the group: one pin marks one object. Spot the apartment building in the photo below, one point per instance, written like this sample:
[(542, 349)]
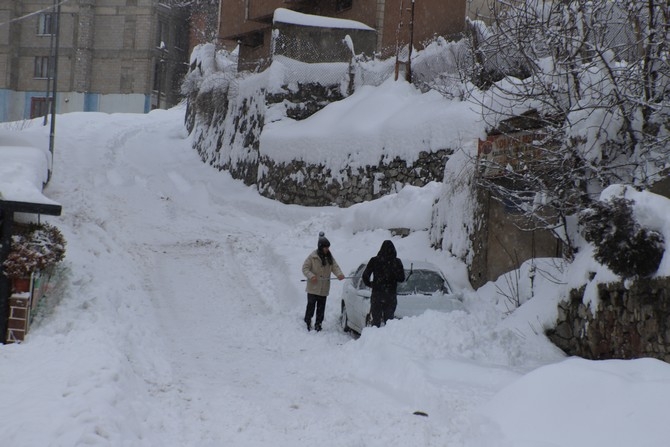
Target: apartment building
[(111, 56), (249, 22)]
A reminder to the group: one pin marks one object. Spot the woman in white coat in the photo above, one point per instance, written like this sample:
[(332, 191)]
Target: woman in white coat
[(318, 268)]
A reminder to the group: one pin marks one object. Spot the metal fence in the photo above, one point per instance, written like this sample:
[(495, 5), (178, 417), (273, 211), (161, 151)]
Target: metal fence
[(327, 60)]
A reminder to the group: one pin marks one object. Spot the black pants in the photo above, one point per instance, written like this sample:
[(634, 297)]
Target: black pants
[(318, 302), (382, 307)]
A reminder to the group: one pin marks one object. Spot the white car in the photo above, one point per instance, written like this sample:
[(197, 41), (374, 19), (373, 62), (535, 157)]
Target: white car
[(425, 288)]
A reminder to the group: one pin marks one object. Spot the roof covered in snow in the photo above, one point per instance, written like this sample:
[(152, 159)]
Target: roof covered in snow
[(283, 15)]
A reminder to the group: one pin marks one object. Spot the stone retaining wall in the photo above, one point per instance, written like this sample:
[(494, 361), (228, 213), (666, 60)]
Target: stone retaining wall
[(310, 185), (227, 132), (628, 323)]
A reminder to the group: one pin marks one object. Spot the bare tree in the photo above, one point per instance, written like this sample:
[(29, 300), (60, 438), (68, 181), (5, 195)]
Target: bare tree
[(580, 92)]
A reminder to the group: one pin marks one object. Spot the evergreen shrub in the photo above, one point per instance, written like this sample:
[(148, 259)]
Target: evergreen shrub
[(620, 242)]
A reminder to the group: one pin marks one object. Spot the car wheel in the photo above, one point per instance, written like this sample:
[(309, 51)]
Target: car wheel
[(344, 320)]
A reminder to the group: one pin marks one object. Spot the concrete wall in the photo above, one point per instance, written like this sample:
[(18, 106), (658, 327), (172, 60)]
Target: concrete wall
[(662, 187), (500, 246), (107, 48), (14, 106), (479, 10)]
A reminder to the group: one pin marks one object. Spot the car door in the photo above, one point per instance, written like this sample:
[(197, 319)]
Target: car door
[(362, 306)]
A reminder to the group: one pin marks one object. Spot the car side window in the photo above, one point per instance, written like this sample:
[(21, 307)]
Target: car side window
[(358, 280)]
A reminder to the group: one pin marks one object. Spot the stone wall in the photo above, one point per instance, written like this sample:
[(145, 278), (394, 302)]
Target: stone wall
[(299, 183), (628, 322), (227, 129)]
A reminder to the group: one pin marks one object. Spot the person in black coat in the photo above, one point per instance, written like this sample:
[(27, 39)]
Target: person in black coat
[(387, 271)]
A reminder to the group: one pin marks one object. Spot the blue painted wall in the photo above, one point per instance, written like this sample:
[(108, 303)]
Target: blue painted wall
[(4, 104), (91, 102), (147, 103)]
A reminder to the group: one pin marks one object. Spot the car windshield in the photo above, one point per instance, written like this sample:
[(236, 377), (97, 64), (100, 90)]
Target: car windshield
[(421, 281)]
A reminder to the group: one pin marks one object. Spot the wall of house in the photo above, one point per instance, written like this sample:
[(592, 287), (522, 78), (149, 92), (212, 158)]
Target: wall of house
[(255, 57), (107, 47), (479, 10), (501, 246), (662, 187), (240, 18), (364, 11), (431, 18)]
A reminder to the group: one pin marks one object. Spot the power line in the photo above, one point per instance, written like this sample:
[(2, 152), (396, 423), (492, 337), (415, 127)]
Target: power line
[(34, 13)]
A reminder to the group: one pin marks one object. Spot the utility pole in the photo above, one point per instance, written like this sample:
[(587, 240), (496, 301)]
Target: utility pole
[(408, 73), (408, 62), (52, 132), (52, 32), (397, 42)]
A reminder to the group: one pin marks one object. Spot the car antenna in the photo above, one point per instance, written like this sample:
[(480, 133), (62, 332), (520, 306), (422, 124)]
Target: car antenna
[(411, 270)]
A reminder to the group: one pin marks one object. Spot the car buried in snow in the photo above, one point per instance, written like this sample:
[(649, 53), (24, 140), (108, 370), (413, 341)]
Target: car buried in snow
[(425, 288)]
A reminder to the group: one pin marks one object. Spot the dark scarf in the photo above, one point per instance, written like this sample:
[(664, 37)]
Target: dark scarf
[(325, 257)]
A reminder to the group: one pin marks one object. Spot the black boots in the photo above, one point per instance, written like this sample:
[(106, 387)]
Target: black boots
[(309, 325), (317, 326)]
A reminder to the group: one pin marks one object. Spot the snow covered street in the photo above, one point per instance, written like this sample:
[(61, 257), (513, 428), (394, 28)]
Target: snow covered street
[(178, 321)]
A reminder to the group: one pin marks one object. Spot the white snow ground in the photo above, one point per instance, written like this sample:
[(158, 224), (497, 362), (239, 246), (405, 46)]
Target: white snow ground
[(178, 322)]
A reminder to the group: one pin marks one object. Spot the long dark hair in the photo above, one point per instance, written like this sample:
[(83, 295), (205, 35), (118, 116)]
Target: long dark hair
[(325, 257)]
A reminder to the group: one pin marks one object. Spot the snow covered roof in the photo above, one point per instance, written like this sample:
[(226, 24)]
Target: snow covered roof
[(24, 169), (297, 18)]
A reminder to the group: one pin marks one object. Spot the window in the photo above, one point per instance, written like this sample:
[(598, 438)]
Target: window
[(162, 35), (358, 278), (253, 40), (46, 26), (41, 67), (157, 76), (181, 39), (421, 281), (341, 5)]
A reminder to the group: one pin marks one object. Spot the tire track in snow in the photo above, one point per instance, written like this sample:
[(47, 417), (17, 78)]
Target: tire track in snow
[(269, 276)]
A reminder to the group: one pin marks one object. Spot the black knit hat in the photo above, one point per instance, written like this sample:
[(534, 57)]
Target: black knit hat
[(323, 242)]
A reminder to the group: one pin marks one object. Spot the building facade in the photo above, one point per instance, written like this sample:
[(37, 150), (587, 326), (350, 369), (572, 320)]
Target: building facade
[(249, 22), (104, 55), (480, 10)]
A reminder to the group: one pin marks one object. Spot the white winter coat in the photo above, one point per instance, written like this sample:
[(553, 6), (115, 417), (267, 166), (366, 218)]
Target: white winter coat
[(314, 267)]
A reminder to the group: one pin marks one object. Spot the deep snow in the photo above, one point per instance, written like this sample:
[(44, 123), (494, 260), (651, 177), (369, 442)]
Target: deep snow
[(178, 322)]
